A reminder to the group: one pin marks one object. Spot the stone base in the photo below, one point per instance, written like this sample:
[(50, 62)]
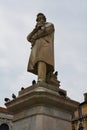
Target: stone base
[(42, 118), (41, 107)]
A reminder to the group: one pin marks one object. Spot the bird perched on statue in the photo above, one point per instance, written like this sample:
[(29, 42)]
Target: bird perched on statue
[(62, 93), (33, 82), (13, 96), (6, 99), (56, 73), (22, 88)]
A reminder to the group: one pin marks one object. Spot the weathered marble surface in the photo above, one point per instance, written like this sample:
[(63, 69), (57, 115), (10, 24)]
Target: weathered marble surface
[(41, 108)]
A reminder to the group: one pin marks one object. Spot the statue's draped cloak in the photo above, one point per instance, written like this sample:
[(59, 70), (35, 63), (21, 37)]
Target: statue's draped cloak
[(43, 50)]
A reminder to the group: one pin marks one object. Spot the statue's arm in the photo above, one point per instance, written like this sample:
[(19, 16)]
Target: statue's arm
[(29, 37), (44, 31)]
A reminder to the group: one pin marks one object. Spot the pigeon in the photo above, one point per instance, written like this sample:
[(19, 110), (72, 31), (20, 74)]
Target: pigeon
[(6, 99), (13, 96), (33, 82), (22, 88), (62, 93), (56, 73)]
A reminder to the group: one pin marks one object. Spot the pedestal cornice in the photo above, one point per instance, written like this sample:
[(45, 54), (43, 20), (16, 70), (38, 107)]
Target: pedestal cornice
[(39, 95)]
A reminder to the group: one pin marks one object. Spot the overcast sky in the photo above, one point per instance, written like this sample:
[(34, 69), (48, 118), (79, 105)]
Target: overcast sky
[(17, 18)]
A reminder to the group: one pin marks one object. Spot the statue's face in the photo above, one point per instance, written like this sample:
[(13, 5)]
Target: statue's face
[(40, 19)]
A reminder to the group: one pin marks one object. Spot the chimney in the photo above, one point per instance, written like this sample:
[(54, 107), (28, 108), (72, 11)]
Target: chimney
[(85, 96)]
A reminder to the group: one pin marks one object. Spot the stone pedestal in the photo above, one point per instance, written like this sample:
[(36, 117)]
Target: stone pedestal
[(42, 107)]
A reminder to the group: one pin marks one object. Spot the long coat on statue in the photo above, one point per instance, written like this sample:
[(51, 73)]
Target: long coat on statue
[(42, 40)]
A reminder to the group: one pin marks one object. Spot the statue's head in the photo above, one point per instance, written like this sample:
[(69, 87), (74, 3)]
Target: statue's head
[(40, 16)]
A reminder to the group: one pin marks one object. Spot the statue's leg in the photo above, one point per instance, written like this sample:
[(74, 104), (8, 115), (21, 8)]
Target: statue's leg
[(41, 71)]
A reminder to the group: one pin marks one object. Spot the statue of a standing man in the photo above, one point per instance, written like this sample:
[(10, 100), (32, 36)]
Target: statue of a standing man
[(41, 61)]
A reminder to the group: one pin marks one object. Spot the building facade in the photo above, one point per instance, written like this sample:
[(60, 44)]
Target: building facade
[(5, 119), (79, 119)]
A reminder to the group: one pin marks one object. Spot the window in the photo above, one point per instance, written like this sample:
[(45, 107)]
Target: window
[(4, 127)]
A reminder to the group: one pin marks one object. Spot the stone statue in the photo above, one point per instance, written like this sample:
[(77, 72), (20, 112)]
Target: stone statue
[(41, 61)]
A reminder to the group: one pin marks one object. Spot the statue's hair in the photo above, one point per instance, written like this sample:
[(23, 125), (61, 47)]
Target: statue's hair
[(42, 15)]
